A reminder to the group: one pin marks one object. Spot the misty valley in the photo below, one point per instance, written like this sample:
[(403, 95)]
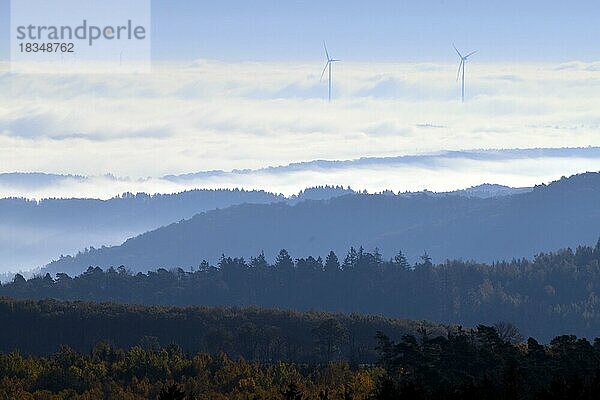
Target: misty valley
[(330, 294)]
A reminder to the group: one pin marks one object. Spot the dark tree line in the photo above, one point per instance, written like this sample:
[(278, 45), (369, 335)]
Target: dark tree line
[(485, 363), (40, 327), (553, 294)]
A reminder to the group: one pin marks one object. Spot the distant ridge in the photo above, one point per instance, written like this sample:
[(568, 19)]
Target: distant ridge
[(487, 190), (551, 216), (30, 183), (481, 154), (34, 232)]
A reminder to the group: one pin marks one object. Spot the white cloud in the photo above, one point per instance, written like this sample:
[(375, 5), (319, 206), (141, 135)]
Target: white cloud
[(210, 115)]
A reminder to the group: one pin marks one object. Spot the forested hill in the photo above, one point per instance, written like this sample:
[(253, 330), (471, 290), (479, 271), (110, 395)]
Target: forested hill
[(126, 210), (42, 327), (564, 213), (34, 232), (107, 351), (553, 294)]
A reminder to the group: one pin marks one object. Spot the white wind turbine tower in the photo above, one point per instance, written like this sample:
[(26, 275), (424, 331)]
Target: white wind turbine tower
[(328, 66), (461, 67)]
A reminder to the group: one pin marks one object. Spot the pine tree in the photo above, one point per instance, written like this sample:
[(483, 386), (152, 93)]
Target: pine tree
[(597, 250), (259, 262), (332, 264), (426, 260), (351, 259), (377, 256), (284, 261), (401, 261)]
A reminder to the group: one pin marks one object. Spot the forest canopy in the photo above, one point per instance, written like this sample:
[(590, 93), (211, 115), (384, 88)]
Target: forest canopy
[(41, 327), (553, 294), (482, 363)]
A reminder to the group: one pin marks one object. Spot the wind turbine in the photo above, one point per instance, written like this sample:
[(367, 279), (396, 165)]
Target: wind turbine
[(463, 61), (328, 66)]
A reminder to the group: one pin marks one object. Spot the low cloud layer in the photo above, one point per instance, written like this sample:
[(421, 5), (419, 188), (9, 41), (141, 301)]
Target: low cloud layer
[(439, 172), (208, 115)]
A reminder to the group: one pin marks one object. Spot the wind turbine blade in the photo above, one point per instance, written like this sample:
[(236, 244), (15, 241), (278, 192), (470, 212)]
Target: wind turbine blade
[(334, 60), (471, 53), (324, 69), (462, 62), (326, 52), (457, 52)]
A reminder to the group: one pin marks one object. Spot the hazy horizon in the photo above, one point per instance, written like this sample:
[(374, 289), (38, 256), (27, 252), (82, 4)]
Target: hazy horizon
[(436, 172), (207, 115)]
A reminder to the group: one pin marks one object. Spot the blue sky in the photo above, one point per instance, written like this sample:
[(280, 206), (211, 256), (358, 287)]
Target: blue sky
[(384, 30)]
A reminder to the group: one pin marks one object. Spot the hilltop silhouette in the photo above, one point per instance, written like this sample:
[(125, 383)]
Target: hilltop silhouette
[(564, 213)]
